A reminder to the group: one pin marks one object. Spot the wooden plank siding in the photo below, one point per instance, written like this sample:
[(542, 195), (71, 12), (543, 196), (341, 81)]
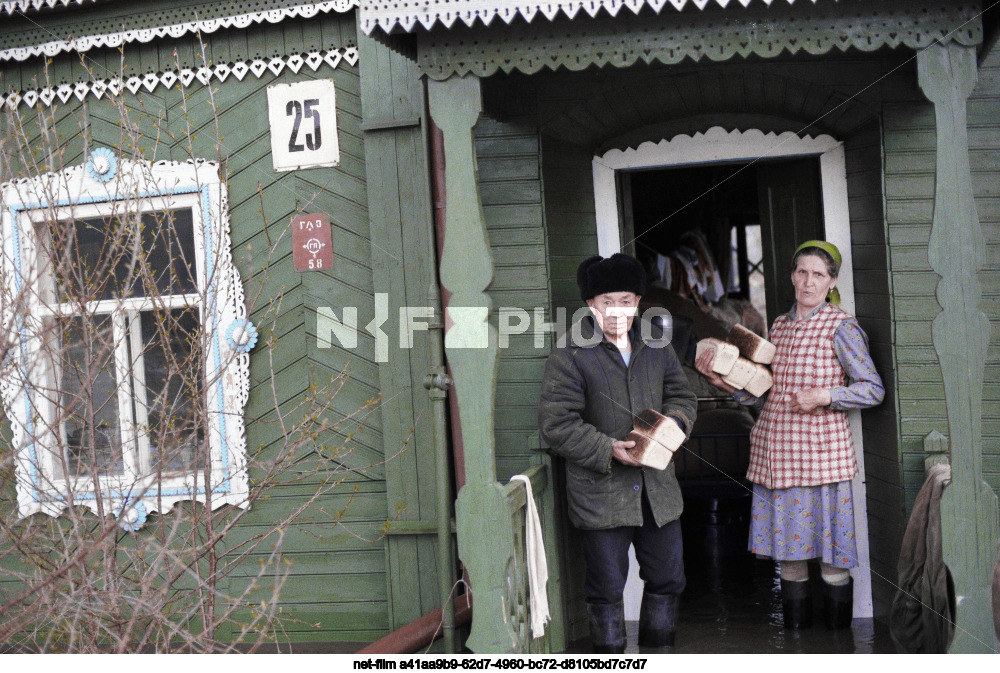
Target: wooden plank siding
[(984, 151), (910, 159), (508, 157), (336, 588)]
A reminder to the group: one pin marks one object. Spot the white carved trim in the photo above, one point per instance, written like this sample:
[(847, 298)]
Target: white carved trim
[(88, 42), (717, 144), (185, 76), (104, 180), (715, 36), (389, 14), (19, 6)]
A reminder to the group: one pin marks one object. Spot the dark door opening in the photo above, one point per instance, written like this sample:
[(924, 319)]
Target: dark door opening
[(716, 240)]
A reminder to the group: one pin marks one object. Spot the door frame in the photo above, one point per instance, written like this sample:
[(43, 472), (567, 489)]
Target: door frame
[(717, 144)]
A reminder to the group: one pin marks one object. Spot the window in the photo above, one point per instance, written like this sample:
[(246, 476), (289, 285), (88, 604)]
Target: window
[(746, 265), (127, 366)]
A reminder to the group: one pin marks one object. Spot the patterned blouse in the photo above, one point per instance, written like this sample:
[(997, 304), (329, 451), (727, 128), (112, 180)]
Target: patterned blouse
[(864, 388)]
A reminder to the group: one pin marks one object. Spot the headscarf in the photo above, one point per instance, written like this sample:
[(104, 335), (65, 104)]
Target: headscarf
[(833, 296)]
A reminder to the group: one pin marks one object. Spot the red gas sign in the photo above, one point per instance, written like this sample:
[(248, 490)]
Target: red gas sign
[(312, 248)]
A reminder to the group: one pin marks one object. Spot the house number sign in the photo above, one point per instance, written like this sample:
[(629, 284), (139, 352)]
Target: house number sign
[(303, 122), (312, 249)]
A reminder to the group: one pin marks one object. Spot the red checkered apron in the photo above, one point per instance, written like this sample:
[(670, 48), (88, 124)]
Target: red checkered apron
[(790, 449)]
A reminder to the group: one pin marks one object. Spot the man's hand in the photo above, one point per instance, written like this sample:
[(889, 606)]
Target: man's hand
[(704, 365), (618, 453), (808, 400)]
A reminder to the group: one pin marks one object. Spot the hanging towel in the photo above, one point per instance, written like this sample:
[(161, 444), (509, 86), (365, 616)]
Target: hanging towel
[(538, 569)]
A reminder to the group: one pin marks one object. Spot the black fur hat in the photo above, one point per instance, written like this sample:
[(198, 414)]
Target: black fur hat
[(618, 273)]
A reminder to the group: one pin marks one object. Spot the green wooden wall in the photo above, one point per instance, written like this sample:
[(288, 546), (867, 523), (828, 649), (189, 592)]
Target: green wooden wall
[(510, 186), (337, 589), (909, 184), (984, 148), (403, 258)]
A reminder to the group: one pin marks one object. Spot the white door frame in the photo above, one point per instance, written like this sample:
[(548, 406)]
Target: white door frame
[(717, 144)]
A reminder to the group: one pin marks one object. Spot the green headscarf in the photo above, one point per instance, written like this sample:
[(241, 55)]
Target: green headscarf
[(833, 296)]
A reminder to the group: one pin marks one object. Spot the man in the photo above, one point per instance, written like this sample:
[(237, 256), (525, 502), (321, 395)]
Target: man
[(594, 386)]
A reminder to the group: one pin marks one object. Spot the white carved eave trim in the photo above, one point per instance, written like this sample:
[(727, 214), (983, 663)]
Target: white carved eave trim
[(19, 6), (113, 40), (698, 37), (122, 180), (151, 81), (390, 14)]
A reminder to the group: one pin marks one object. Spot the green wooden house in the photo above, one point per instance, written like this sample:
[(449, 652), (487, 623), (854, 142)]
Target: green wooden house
[(480, 151)]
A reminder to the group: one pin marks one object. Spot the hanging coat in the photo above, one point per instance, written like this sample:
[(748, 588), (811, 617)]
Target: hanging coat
[(922, 620)]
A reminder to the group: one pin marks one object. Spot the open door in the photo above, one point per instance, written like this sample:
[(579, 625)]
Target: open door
[(791, 211)]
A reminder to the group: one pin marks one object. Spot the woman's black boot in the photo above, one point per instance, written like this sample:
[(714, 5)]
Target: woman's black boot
[(796, 603), (607, 627), (658, 620), (838, 604)]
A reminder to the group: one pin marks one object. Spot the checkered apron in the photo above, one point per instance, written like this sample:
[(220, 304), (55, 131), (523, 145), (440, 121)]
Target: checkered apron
[(790, 449)]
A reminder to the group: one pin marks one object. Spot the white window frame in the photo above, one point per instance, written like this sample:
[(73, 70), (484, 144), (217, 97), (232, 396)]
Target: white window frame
[(105, 185)]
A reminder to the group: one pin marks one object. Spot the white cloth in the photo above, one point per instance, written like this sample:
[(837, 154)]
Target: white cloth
[(538, 569)]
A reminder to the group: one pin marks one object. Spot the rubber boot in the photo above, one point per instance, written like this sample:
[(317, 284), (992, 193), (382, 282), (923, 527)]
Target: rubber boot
[(607, 627), (838, 604), (658, 620), (796, 603)]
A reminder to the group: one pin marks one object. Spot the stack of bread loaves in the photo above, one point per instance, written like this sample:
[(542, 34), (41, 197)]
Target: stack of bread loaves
[(656, 438), (741, 360)]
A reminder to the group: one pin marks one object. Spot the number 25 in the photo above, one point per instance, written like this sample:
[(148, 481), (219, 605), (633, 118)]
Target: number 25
[(305, 109)]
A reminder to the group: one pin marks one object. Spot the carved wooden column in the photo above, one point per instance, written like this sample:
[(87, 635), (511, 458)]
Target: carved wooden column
[(485, 534), (961, 335)]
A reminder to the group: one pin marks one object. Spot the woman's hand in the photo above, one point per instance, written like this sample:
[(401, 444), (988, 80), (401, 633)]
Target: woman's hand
[(808, 400), (704, 366), (619, 453)]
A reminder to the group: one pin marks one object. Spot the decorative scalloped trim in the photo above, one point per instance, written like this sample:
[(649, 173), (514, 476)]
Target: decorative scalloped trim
[(388, 14), (12, 6), (723, 36), (185, 76), (88, 42)]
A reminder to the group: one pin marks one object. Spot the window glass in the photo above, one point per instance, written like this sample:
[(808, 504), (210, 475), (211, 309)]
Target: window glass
[(125, 256), (173, 428), (91, 426)]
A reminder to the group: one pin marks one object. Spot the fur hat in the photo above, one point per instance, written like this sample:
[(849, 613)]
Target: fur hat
[(618, 273)]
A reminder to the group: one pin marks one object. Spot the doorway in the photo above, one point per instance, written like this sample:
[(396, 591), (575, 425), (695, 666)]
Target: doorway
[(759, 168)]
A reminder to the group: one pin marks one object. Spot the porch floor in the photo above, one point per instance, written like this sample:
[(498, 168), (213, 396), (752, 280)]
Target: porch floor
[(740, 613)]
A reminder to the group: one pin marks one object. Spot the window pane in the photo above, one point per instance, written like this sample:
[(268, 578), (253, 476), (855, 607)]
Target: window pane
[(173, 376), (90, 396), (140, 255)]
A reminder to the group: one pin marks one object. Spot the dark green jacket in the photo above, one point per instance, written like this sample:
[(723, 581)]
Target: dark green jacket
[(588, 400)]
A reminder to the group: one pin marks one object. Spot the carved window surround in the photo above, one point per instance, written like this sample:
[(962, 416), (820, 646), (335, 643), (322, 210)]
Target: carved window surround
[(50, 472)]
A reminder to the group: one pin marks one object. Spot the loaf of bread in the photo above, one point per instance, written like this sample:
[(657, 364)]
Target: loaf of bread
[(760, 382), (751, 346), (656, 438), (725, 354), (741, 373)]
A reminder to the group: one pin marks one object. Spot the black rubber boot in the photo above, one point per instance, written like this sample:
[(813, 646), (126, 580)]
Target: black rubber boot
[(658, 620), (796, 603), (607, 627), (838, 604)]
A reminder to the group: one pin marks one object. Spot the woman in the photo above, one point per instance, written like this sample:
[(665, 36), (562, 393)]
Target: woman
[(801, 449)]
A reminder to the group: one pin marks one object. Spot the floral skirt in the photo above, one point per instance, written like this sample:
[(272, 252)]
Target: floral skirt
[(804, 522)]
